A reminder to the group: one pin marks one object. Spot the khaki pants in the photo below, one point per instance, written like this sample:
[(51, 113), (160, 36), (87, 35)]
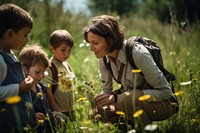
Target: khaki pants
[(152, 110)]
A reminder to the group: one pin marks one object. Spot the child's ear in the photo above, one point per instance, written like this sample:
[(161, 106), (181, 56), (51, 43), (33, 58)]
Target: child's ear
[(51, 48), (9, 33), (25, 70)]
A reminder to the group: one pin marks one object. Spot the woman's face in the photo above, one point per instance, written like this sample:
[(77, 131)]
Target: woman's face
[(98, 44)]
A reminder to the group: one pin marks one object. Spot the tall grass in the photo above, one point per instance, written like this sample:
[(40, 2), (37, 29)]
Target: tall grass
[(180, 53), (180, 49)]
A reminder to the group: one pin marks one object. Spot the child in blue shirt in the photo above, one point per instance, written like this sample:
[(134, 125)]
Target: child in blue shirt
[(15, 25)]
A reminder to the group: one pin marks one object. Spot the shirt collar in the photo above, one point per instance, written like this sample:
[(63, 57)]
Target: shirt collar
[(122, 54)]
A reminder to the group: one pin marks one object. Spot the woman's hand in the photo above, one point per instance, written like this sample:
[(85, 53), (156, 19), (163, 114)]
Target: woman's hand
[(104, 99)]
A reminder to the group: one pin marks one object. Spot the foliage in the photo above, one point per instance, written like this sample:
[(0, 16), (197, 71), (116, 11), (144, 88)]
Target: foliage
[(121, 7), (180, 49)]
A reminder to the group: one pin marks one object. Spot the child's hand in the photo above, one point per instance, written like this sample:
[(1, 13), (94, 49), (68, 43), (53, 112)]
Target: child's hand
[(39, 116), (26, 85)]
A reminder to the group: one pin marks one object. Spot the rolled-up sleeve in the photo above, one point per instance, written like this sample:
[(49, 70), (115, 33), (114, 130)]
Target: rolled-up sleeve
[(152, 74)]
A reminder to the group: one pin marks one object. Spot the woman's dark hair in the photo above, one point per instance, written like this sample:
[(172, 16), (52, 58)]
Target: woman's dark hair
[(107, 27)]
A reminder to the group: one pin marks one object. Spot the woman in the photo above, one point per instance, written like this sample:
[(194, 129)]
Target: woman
[(106, 38)]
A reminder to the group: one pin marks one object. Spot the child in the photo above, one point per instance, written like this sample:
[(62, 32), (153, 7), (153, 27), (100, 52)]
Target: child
[(15, 25), (35, 61), (61, 97)]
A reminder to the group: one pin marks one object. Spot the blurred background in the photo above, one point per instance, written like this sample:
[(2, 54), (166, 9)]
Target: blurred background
[(173, 24)]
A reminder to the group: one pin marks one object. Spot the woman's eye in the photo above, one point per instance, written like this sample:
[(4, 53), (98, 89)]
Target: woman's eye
[(95, 43)]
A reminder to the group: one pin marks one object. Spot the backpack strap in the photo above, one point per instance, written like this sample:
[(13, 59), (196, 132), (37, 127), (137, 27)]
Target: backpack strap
[(55, 76), (129, 47), (108, 66)]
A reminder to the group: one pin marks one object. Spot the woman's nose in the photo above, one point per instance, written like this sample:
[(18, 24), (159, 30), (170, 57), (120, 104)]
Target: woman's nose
[(91, 47)]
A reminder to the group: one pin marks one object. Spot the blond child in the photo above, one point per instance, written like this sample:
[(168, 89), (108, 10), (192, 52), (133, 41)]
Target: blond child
[(35, 61)]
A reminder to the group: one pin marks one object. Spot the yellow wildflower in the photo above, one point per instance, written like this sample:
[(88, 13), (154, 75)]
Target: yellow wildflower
[(138, 113), (136, 70), (13, 100), (179, 93), (144, 97), (39, 95), (68, 83), (81, 99), (40, 121), (121, 113), (48, 85)]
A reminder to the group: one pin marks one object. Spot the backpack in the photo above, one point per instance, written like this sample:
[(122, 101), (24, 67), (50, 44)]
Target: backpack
[(154, 50), (55, 77)]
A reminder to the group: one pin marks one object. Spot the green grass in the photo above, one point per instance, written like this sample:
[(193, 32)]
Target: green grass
[(180, 51)]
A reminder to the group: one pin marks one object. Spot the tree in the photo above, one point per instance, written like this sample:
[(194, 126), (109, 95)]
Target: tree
[(121, 7)]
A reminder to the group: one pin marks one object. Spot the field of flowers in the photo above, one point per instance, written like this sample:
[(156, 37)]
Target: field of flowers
[(180, 49), (180, 53)]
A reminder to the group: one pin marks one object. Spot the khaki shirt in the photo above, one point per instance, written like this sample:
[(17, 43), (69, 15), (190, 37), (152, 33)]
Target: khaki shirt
[(144, 61), (64, 93)]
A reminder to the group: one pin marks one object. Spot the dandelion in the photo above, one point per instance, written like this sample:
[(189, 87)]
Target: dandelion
[(13, 100), (151, 127), (144, 97), (186, 83), (48, 85), (179, 93), (136, 70), (81, 99), (138, 113), (40, 95), (120, 113), (40, 122)]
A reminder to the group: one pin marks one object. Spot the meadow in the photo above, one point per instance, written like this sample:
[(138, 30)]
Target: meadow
[(180, 49)]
